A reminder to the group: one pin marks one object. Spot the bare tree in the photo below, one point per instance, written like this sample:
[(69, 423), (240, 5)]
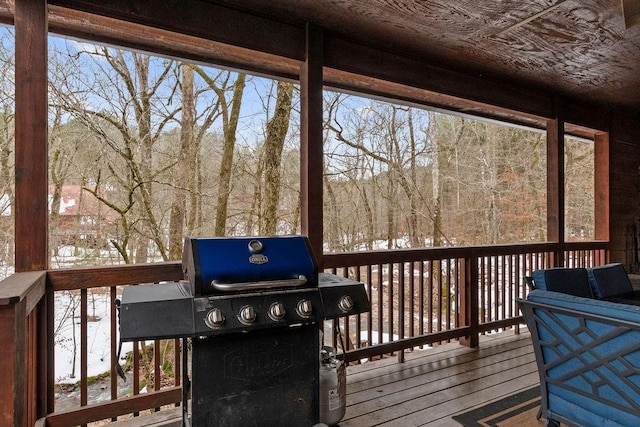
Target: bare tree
[(230, 111), (186, 160), (129, 118), (277, 128)]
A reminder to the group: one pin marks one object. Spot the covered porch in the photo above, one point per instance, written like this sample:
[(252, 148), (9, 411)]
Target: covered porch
[(379, 52)]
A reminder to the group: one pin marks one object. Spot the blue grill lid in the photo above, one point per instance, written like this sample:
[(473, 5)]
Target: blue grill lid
[(244, 260)]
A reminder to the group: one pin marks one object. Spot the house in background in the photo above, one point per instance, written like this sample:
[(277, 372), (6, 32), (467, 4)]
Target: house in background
[(81, 219)]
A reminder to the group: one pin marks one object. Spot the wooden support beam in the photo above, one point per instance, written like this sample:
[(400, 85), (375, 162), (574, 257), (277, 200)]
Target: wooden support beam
[(31, 157), (361, 60), (311, 149), (555, 186), (103, 29), (601, 186), (201, 19)]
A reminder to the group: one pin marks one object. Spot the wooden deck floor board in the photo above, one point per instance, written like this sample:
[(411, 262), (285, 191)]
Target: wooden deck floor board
[(463, 359), (440, 378), (428, 390)]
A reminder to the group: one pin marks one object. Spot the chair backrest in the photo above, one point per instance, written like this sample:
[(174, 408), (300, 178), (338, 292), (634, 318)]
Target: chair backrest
[(608, 280), (572, 281)]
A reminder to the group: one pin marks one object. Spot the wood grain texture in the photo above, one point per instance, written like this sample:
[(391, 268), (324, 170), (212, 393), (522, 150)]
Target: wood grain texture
[(92, 277), (110, 409), (578, 47), (31, 155)]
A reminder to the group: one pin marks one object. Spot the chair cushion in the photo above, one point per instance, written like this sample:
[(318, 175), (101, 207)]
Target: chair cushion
[(608, 280), (572, 281)]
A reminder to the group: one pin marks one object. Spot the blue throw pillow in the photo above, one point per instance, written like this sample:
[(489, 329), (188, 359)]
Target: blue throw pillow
[(608, 280), (572, 281)]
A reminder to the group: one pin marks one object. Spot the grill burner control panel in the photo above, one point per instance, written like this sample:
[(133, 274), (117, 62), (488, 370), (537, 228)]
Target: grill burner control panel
[(218, 315)]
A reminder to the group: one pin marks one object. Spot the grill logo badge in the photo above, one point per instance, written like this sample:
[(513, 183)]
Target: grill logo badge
[(256, 247), (258, 259)]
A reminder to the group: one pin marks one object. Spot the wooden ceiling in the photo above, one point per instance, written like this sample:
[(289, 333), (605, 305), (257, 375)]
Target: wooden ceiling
[(519, 55), (576, 48)]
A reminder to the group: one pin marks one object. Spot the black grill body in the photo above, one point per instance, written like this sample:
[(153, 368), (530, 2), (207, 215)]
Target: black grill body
[(267, 379)]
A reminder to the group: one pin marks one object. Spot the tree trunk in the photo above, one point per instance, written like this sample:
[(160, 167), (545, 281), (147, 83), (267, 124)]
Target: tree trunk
[(185, 162), (277, 129), (413, 196), (229, 129)]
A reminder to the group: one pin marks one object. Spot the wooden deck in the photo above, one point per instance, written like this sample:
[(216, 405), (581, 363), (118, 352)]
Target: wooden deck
[(432, 385), (427, 389)]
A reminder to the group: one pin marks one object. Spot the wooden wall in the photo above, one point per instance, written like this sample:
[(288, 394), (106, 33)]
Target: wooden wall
[(624, 190)]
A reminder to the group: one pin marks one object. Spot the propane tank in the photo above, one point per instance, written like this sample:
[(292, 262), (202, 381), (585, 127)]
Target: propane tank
[(333, 387)]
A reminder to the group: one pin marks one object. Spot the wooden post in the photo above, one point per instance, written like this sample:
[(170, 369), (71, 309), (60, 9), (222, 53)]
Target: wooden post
[(31, 157), (31, 210), (555, 187), (469, 299), (12, 346), (311, 150), (19, 296), (601, 186)]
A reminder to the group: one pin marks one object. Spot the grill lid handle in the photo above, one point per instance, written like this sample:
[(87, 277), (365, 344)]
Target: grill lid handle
[(263, 284)]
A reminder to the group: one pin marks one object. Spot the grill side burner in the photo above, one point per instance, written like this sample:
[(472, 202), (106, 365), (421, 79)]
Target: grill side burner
[(253, 309)]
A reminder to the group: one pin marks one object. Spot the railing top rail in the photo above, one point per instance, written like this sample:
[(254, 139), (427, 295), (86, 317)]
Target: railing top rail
[(118, 275), (20, 286), (334, 260)]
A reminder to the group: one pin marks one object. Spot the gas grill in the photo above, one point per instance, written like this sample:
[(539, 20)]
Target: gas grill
[(252, 309)]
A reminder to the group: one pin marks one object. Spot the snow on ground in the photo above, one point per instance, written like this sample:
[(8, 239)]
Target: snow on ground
[(67, 335)]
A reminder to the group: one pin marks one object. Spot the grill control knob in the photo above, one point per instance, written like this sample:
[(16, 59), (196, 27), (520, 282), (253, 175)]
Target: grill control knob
[(277, 311), (304, 308), (247, 315), (346, 303), (214, 318)]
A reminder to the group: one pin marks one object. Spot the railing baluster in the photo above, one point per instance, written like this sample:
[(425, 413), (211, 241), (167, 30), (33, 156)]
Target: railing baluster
[(430, 295), (448, 295), (136, 369), (358, 278), (370, 312), (421, 301), (390, 305), (156, 367), (83, 347), (412, 297), (401, 307), (114, 351), (380, 304)]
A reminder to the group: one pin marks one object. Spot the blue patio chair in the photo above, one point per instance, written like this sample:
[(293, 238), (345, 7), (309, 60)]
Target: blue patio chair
[(588, 356)]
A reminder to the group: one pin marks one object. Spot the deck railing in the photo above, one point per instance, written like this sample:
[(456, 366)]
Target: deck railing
[(419, 297)]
